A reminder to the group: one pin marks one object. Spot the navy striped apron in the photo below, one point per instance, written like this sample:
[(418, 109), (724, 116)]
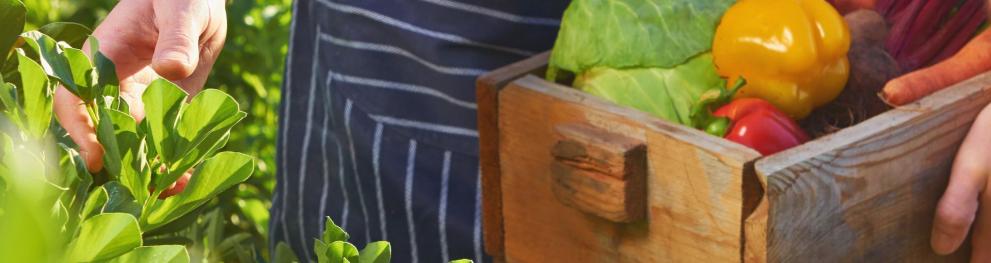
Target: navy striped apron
[(378, 127)]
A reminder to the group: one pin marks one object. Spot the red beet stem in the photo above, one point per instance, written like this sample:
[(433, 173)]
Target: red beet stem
[(967, 32), (924, 25), (933, 44), (901, 24)]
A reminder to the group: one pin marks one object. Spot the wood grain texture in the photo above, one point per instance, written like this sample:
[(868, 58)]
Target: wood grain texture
[(868, 192), (694, 185), (600, 172), (486, 92)]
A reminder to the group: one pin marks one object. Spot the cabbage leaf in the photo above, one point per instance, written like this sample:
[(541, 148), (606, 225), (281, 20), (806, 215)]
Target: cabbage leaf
[(666, 93), (623, 34)]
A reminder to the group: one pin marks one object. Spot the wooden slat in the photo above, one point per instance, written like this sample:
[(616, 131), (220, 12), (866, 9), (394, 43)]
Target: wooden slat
[(866, 193), (487, 89), (600, 172), (694, 185)]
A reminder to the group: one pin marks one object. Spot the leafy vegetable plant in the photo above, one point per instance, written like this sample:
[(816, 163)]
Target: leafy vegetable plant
[(54, 208), (652, 55), (333, 247)]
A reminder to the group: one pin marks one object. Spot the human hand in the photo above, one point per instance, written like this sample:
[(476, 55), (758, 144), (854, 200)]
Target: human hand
[(967, 203), (176, 39)]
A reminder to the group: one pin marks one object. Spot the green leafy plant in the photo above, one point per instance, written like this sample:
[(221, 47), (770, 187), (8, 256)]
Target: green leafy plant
[(333, 247), (234, 226), (48, 193)]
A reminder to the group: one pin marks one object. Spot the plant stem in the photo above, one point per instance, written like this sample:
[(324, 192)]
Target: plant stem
[(91, 109)]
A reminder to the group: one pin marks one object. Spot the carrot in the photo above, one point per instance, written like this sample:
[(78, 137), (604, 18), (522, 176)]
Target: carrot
[(973, 59)]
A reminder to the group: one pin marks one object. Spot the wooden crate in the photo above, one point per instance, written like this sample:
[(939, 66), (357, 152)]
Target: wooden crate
[(569, 177)]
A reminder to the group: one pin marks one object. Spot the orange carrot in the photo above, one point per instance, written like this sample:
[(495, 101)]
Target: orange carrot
[(973, 59)]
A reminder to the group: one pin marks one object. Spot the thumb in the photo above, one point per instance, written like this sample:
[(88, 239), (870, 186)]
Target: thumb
[(179, 28)]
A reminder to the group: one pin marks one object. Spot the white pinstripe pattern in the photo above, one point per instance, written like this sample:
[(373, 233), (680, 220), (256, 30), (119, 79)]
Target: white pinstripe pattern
[(307, 134), (479, 256), (354, 169), (410, 173), (328, 106), (340, 169), (285, 128), (401, 52), (419, 30), (345, 212), (425, 126), (496, 13), (403, 87), (304, 155), (442, 212), (376, 153)]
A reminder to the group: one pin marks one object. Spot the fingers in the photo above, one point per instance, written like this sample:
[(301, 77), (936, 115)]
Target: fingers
[(177, 187), (180, 24), (72, 115), (982, 231), (212, 42), (958, 207)]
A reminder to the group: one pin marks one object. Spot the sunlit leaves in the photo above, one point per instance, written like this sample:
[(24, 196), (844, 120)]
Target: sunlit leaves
[(12, 13), (215, 175), (105, 236), (155, 254)]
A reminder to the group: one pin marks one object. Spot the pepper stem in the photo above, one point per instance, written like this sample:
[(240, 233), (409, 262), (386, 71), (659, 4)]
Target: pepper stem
[(702, 110)]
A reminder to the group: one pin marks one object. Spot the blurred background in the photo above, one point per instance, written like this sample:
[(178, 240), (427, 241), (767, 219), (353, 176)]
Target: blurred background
[(233, 228)]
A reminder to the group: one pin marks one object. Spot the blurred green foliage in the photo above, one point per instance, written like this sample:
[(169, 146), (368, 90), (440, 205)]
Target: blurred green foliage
[(234, 227)]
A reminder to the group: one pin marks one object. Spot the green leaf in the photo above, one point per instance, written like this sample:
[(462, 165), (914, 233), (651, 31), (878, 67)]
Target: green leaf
[(108, 138), (284, 254), (204, 124), (155, 254), (134, 174), (332, 232), (106, 77), (635, 33), (342, 252), (12, 13), (11, 105), (104, 237), (163, 102), (36, 97), (224, 170), (95, 203), (120, 200), (320, 249), (176, 225), (666, 93), (83, 73), (73, 165), (376, 252), (72, 33)]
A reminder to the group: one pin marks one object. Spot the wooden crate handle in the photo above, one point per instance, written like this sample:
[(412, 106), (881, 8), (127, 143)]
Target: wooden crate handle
[(600, 172)]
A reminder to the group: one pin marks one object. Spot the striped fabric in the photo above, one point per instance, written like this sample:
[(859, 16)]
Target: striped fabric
[(378, 126)]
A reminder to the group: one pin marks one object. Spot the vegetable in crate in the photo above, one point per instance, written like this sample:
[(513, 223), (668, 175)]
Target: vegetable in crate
[(651, 55), (793, 53), (759, 125)]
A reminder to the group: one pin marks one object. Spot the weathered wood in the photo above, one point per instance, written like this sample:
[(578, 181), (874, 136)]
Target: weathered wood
[(694, 185), (600, 172), (487, 95), (868, 192)]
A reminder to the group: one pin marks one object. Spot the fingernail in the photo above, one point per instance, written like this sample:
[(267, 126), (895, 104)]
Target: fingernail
[(940, 242)]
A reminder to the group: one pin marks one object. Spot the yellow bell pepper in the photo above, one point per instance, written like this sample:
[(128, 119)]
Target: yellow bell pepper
[(793, 53)]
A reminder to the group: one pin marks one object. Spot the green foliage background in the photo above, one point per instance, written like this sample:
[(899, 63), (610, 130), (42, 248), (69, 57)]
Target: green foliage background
[(233, 228)]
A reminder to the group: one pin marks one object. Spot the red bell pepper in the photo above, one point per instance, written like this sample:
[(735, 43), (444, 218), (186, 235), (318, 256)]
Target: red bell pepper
[(759, 125)]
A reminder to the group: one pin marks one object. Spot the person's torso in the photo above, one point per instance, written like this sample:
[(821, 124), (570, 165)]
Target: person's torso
[(378, 125)]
